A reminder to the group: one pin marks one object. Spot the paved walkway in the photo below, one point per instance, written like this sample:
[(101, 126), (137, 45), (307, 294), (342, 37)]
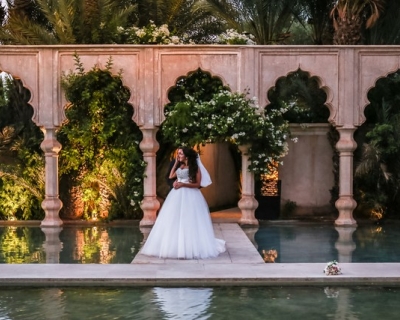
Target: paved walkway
[(240, 265)]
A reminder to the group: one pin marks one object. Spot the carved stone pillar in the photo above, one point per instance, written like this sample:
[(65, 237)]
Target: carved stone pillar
[(346, 203), (150, 204), (51, 203), (247, 204)]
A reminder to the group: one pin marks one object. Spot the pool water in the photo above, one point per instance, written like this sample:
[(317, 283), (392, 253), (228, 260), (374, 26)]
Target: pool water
[(71, 244), (313, 243), (292, 243), (200, 303)]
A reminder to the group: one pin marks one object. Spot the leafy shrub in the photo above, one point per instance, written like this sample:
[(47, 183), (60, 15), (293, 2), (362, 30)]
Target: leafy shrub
[(101, 164)]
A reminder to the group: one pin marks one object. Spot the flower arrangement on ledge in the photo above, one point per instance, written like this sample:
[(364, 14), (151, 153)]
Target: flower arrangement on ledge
[(231, 36), (150, 34), (230, 116), (332, 268)]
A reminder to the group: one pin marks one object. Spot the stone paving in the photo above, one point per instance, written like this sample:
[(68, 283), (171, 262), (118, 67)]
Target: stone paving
[(240, 265)]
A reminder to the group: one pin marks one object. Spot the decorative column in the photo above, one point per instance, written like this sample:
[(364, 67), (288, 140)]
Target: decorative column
[(247, 204), (51, 204), (150, 204), (346, 203)]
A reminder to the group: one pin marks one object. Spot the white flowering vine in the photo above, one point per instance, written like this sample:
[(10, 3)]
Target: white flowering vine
[(232, 36), (150, 34), (232, 117)]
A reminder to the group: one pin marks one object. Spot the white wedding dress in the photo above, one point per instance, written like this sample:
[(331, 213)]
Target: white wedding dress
[(183, 229)]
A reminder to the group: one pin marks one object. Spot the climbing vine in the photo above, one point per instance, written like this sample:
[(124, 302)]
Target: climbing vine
[(101, 165), (230, 117)]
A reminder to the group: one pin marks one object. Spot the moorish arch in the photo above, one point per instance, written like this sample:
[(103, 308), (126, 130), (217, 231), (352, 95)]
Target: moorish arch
[(149, 70), (373, 70), (314, 64), (312, 154), (217, 157), (28, 66)]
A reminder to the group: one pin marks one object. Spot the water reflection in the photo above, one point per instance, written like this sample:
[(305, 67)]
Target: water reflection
[(345, 244), (21, 245), (312, 243), (183, 303), (281, 243), (278, 303), (94, 244), (52, 246)]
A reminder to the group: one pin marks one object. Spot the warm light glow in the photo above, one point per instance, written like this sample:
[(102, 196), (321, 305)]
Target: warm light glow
[(269, 181), (377, 213), (270, 255)]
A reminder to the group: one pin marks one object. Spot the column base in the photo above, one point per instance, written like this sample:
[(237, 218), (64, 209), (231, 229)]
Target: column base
[(345, 205), (51, 207), (150, 206), (248, 205)]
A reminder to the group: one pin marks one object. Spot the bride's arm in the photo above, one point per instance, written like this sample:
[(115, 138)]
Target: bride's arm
[(196, 184), (172, 173)]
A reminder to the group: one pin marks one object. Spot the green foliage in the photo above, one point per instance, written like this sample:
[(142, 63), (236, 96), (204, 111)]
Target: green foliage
[(21, 160), (229, 117), (101, 152), (18, 245), (377, 159), (65, 22), (198, 84), (303, 94)]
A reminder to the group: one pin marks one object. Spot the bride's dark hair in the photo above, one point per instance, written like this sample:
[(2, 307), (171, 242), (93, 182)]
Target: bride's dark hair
[(191, 155)]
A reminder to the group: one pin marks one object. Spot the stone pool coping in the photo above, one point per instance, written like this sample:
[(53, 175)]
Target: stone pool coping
[(240, 265)]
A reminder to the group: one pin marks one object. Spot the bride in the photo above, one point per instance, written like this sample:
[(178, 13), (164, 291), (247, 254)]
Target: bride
[(183, 229)]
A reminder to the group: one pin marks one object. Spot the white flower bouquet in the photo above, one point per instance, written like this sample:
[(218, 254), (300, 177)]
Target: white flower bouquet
[(332, 268)]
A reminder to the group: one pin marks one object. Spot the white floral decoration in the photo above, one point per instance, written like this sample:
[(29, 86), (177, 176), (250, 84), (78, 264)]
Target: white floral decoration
[(332, 268), (230, 116)]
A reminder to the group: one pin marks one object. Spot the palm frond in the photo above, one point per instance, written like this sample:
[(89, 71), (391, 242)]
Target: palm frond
[(36, 188)]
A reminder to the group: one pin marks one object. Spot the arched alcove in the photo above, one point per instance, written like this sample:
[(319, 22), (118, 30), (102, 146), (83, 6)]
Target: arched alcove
[(222, 160), (22, 175), (378, 150), (101, 166), (307, 183)]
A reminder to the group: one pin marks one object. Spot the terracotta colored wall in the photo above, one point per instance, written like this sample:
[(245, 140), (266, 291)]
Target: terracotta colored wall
[(224, 189), (307, 171)]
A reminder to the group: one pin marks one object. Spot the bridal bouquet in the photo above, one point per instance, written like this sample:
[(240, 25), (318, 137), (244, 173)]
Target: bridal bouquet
[(332, 269)]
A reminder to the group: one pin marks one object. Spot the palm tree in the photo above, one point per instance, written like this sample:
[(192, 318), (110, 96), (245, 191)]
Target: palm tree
[(180, 17), (387, 28), (316, 14), (351, 16), (64, 21), (268, 21)]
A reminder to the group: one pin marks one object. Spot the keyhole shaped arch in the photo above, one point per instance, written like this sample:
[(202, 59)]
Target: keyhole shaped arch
[(182, 78), (103, 115), (370, 90), (126, 84), (310, 77), (24, 85)]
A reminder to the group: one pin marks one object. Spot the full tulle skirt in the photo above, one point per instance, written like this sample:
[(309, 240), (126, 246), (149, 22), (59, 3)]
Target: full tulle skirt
[(183, 229)]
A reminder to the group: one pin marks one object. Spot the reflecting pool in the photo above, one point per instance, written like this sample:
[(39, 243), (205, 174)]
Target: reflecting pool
[(313, 243), (290, 243), (71, 244), (201, 303)]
